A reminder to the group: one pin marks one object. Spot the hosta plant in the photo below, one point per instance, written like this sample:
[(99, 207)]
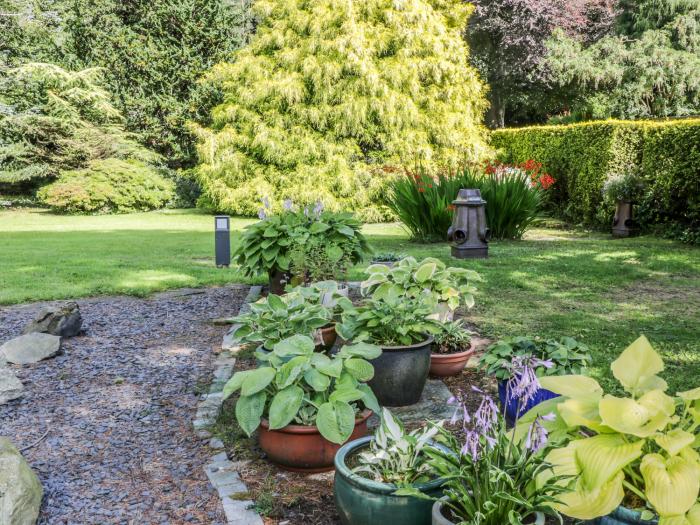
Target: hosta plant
[(390, 319), (451, 337), (274, 318), (430, 277), (326, 293), (297, 385), (396, 456), (565, 356), (267, 246), (639, 450)]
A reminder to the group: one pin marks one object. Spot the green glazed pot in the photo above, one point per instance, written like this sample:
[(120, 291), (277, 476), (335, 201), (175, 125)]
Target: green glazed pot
[(622, 516), (361, 501)]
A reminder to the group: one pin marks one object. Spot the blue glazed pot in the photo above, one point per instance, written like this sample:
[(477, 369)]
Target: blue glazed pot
[(622, 516), (511, 407)]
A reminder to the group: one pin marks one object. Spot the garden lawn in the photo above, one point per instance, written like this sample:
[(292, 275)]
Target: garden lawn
[(554, 283)]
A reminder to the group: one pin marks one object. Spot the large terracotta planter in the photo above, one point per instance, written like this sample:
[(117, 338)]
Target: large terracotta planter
[(361, 501), (440, 519), (400, 373), (302, 448), (622, 516), (447, 365)]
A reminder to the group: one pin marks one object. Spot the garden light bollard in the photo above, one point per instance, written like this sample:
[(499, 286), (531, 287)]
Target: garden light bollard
[(222, 237), (469, 233), (624, 224)]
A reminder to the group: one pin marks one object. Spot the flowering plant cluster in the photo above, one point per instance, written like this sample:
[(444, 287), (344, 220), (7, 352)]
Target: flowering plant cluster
[(268, 245), (531, 171)]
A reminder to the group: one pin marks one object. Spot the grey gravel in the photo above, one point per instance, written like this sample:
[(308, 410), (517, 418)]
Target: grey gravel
[(118, 404)]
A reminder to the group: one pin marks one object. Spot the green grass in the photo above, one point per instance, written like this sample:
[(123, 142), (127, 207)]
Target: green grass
[(555, 282)]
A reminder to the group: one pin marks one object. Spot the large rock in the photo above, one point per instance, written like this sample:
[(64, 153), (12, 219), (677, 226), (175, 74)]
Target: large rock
[(64, 321), (10, 387), (20, 489), (30, 348)]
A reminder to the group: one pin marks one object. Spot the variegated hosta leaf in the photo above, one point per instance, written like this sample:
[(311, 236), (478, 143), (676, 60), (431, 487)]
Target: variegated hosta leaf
[(675, 440), (637, 367), (295, 345), (391, 425), (671, 485), (573, 386), (651, 413)]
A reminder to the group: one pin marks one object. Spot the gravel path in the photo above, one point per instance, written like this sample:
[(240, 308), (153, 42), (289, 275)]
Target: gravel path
[(118, 405)]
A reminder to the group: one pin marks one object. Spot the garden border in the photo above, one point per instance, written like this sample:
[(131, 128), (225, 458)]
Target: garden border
[(221, 471)]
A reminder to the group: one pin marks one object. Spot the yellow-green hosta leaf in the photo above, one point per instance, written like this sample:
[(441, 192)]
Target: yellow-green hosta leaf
[(690, 395), (589, 504), (425, 272), (643, 418), (694, 514), (690, 454), (582, 412), (637, 366), (573, 386), (671, 485), (601, 457), (675, 440), (556, 428)]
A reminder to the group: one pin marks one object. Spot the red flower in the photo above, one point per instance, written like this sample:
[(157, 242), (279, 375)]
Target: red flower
[(422, 190), (451, 207)]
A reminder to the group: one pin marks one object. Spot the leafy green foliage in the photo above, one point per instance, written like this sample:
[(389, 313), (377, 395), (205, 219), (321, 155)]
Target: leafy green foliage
[(327, 95), (452, 337), (108, 186), (296, 385), (395, 456), (268, 245), (583, 156), (154, 53), (642, 448), (624, 186), (567, 356), (423, 203)]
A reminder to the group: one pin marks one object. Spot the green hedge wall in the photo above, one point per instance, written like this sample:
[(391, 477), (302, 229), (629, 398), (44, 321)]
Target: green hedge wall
[(582, 156)]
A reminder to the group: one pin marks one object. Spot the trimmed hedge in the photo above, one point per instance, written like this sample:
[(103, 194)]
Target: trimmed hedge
[(582, 156)]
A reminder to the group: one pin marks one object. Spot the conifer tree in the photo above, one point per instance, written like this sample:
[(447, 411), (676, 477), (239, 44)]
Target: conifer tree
[(331, 94)]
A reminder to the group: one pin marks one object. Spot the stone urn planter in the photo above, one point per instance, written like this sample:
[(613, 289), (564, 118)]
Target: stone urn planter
[(624, 224), (447, 365), (361, 501), (439, 518), (302, 448), (400, 373), (622, 516)]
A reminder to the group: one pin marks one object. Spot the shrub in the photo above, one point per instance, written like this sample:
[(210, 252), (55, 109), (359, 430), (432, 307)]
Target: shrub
[(327, 93), (107, 186), (583, 156), (513, 194)]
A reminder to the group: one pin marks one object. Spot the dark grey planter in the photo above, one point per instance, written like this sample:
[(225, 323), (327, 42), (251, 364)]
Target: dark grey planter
[(400, 374)]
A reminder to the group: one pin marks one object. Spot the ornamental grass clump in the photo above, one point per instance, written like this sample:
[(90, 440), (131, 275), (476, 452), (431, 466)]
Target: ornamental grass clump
[(639, 450)]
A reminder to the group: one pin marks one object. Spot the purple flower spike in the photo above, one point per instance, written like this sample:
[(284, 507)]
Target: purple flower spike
[(287, 204), (523, 384), (471, 445), (486, 415), (261, 214), (536, 436)]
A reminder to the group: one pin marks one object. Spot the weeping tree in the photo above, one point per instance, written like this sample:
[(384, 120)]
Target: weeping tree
[(330, 96)]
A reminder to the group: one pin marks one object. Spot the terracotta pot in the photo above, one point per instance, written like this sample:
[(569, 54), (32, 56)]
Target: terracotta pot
[(302, 448), (328, 335), (447, 365)]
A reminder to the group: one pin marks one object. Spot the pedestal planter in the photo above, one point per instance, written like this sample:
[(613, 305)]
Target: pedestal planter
[(302, 448), (447, 365), (400, 373), (624, 224), (278, 281), (622, 516), (361, 501), (510, 407), (438, 517)]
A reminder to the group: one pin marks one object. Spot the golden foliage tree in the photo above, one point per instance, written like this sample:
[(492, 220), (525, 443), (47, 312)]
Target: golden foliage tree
[(330, 94)]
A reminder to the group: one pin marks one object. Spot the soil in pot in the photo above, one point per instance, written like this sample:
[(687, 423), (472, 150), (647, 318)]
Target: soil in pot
[(400, 374), (361, 501), (302, 448), (447, 364)]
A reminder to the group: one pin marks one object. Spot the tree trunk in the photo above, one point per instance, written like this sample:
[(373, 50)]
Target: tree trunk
[(496, 116)]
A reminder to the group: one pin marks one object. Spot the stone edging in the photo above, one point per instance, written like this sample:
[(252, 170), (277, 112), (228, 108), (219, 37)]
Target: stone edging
[(221, 471)]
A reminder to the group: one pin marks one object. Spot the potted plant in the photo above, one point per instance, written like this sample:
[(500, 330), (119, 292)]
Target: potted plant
[(628, 459), (489, 475), (551, 357), (451, 349), (267, 245), (332, 296), (320, 260), (623, 190), (388, 259), (306, 404), (274, 318), (447, 287), (368, 471), (400, 325)]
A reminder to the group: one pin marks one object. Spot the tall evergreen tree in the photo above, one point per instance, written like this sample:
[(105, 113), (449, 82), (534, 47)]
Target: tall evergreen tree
[(330, 93)]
